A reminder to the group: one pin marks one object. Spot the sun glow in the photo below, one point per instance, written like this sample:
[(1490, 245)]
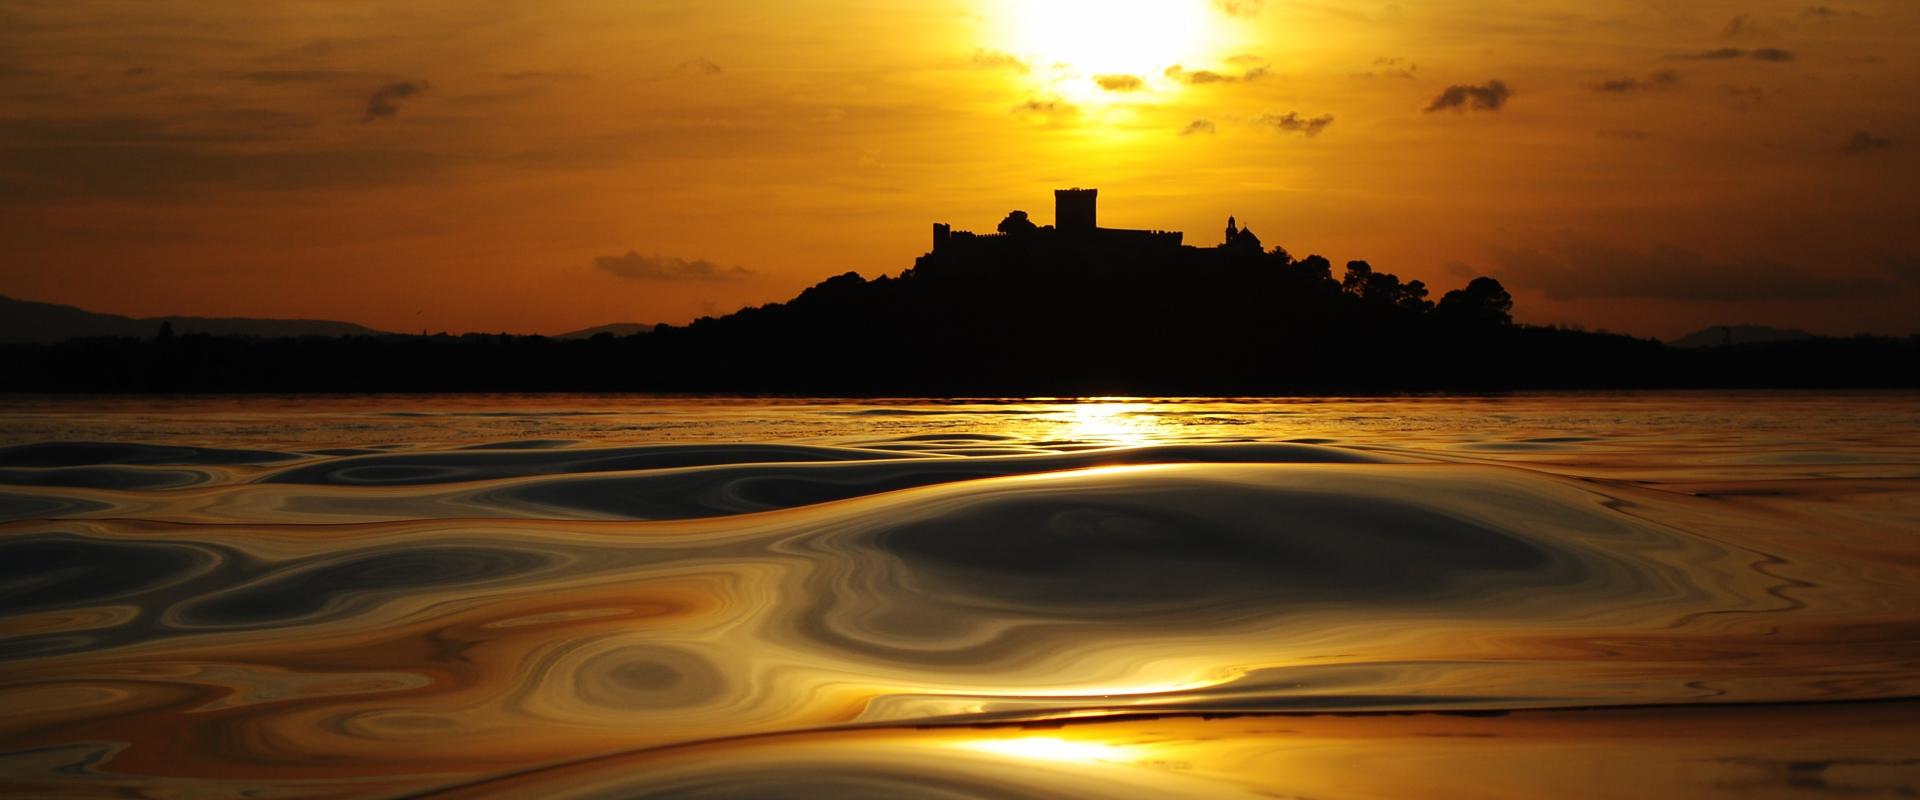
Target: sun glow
[(1087, 39)]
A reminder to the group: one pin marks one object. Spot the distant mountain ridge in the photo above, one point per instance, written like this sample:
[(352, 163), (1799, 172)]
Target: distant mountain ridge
[(49, 323), (617, 329), (1723, 335)]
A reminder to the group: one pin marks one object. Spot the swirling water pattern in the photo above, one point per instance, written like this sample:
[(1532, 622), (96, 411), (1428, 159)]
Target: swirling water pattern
[(614, 597)]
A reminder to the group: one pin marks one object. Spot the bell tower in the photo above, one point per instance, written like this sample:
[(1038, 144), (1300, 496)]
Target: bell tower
[(1076, 209)]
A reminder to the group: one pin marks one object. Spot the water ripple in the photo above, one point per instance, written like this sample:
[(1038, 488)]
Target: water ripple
[(521, 616)]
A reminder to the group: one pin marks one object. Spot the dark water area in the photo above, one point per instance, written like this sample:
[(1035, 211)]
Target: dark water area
[(1591, 595)]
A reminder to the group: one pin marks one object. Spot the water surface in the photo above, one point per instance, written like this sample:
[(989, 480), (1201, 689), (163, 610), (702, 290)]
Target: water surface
[(573, 596)]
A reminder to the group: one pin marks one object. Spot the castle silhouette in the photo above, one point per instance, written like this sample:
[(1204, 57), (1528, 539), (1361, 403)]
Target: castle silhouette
[(1075, 235)]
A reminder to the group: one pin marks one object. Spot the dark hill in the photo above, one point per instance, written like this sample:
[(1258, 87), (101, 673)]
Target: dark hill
[(616, 329), (29, 321), (1047, 312), (1732, 335), (1031, 311)]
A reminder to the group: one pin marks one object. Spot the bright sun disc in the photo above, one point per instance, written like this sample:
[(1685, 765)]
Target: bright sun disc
[(1107, 37)]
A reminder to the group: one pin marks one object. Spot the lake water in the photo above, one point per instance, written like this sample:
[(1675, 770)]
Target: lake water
[(1633, 595)]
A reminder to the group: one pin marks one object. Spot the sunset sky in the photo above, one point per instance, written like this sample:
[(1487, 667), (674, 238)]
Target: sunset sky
[(461, 165)]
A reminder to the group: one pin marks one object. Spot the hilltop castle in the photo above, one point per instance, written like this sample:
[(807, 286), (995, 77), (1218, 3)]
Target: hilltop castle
[(1076, 232)]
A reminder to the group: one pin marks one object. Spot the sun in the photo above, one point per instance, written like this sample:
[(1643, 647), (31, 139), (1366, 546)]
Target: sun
[(1090, 38)]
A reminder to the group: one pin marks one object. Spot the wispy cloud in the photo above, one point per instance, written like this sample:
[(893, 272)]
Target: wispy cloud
[(635, 266), (384, 103), (1773, 54), (298, 75), (1908, 268), (1050, 111), (1864, 142), (1819, 13), (1292, 122), (1461, 97), (1205, 76), (1589, 270), (1665, 77), (1238, 8), (1389, 67), (998, 59), (1743, 25), (541, 75)]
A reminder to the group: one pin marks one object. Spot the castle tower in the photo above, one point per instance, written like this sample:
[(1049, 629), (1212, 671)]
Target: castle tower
[(942, 233), (1076, 209)]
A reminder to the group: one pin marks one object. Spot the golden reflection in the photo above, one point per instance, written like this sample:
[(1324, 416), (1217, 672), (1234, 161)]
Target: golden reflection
[(1054, 748), (1122, 424)]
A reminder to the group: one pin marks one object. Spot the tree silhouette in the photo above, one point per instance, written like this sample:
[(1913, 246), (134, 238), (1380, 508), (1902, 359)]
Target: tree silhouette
[(1413, 297), (1017, 223), (1384, 290), (1316, 268), (1483, 302)]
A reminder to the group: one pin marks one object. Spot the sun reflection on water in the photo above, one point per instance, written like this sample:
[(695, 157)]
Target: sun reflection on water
[(1109, 422), (1054, 748)]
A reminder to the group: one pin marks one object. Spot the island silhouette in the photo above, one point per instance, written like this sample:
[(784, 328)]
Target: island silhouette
[(1071, 309)]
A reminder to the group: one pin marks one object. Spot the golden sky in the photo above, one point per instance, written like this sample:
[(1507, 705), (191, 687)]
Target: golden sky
[(1651, 167)]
